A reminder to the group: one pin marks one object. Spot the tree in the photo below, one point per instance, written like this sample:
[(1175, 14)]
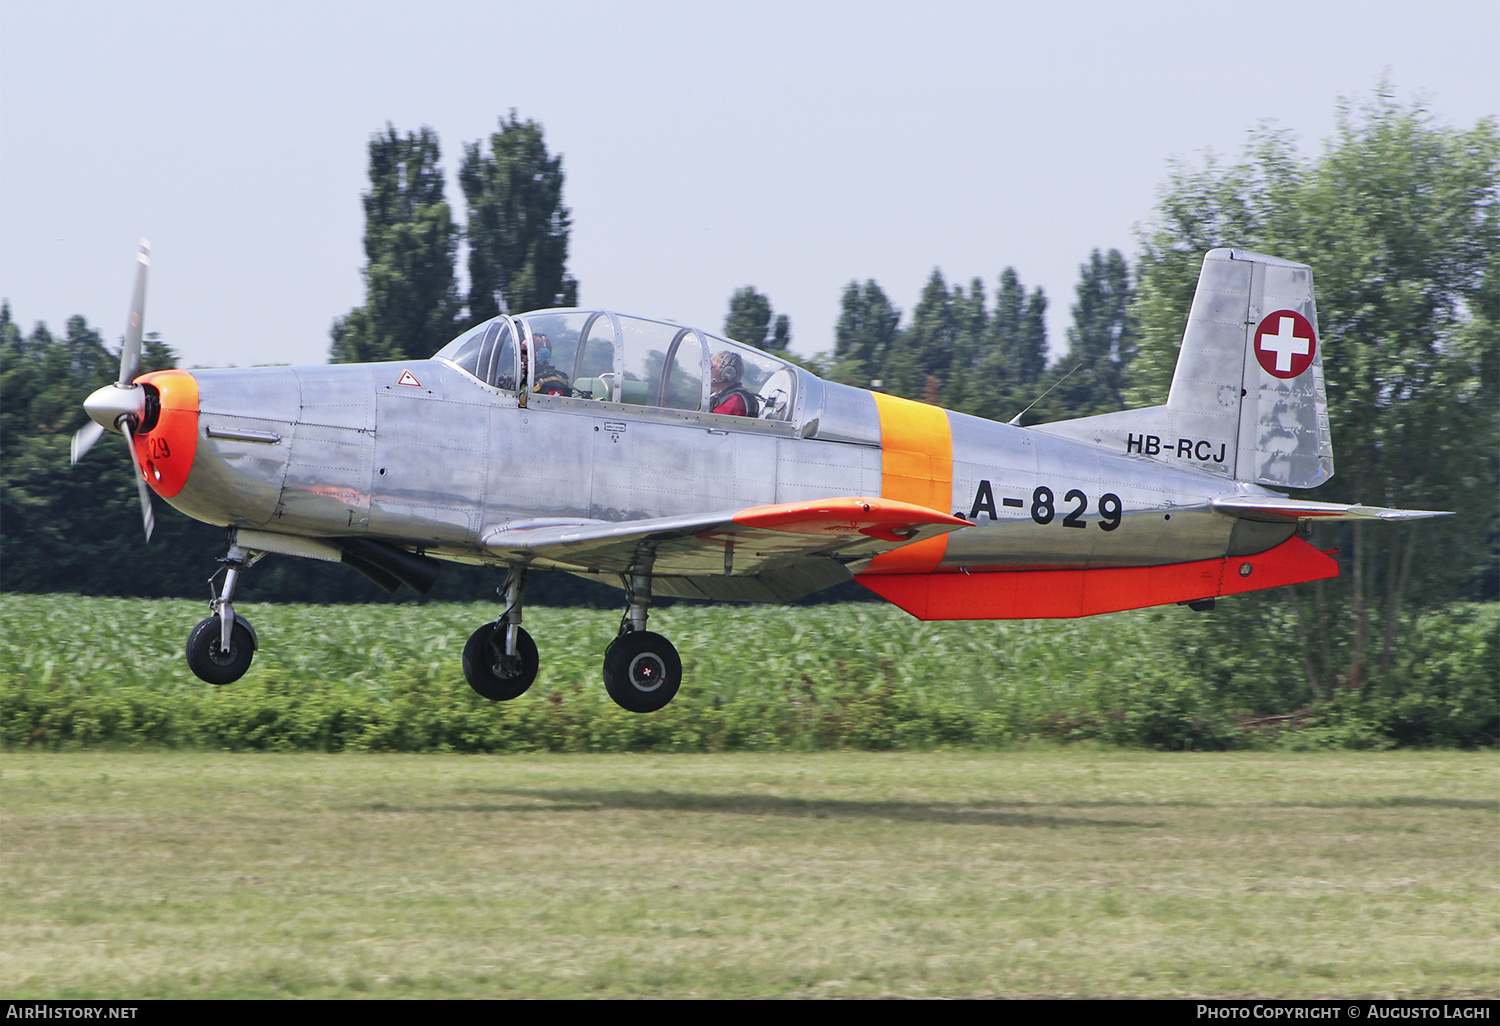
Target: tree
[(749, 321), (518, 228), (411, 296), (972, 340), (1020, 330), (1013, 357), (868, 329), (1101, 342), (1400, 220), (781, 335), (78, 528), (929, 344), (749, 318)]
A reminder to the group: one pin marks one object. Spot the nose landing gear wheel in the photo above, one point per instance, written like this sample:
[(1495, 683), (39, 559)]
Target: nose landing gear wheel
[(642, 671), (206, 656), (490, 672)]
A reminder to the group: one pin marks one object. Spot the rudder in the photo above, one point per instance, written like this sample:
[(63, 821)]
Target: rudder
[(1247, 398)]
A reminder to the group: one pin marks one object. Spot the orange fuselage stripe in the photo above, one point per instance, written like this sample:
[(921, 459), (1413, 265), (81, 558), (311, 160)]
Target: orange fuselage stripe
[(916, 442)]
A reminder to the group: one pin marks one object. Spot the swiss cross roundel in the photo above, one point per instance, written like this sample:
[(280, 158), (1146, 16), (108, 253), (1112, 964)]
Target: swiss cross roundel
[(1285, 343)]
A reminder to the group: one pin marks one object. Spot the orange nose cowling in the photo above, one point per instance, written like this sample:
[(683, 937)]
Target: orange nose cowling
[(166, 451)]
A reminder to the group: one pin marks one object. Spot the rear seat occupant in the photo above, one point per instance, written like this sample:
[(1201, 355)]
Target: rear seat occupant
[(729, 396)]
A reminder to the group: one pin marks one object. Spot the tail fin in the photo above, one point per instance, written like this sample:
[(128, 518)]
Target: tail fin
[(1247, 398)]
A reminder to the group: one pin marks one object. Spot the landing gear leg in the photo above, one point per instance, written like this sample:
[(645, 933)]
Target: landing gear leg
[(219, 649), (642, 670), (500, 659)]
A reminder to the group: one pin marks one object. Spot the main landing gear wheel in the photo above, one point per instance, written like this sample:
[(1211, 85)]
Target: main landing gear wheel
[(493, 674), (642, 671), (206, 656)]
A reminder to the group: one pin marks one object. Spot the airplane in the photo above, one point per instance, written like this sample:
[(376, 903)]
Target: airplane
[(671, 461)]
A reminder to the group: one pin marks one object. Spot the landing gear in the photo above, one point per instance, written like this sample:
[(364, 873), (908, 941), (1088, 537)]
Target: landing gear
[(210, 660), (492, 672), (219, 649), (500, 659), (642, 670)]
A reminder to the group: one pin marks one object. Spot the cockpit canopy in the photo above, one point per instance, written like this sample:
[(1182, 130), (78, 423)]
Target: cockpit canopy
[(602, 356)]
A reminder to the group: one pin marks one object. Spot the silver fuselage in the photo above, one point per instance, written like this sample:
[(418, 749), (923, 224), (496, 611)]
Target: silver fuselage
[(344, 451)]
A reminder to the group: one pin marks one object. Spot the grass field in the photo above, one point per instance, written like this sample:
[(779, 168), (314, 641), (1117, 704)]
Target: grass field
[(1034, 871)]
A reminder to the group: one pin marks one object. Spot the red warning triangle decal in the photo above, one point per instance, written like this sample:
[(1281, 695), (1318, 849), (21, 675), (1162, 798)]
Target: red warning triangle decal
[(408, 378)]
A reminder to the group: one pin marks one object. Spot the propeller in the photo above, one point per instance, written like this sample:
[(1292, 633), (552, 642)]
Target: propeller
[(122, 406)]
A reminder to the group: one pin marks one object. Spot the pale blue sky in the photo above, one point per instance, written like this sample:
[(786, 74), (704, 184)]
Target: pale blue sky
[(792, 146)]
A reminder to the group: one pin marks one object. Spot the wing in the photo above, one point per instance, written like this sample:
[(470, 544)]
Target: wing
[(1276, 509), (747, 542)]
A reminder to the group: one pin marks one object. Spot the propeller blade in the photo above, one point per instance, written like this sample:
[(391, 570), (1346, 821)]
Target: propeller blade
[(84, 439), (130, 353), (147, 515)]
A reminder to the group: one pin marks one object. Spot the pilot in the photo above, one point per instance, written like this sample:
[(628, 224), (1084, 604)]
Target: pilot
[(549, 380), (729, 395)]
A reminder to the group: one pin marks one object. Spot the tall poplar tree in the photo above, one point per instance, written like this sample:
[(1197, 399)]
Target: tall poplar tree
[(411, 296), (518, 227), (1101, 342), (868, 329), (1020, 331), (930, 342), (749, 321)]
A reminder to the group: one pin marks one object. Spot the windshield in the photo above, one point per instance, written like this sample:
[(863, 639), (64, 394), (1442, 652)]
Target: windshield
[(596, 355)]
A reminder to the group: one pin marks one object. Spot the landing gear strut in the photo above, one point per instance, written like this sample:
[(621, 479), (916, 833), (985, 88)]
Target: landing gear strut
[(219, 649), (642, 670), (500, 659)]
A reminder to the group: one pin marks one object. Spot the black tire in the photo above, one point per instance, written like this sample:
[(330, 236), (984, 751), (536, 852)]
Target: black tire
[(642, 671), (482, 657), (207, 658)]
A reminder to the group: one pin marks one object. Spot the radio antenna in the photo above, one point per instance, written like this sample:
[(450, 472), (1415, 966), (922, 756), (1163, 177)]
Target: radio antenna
[(1016, 420)]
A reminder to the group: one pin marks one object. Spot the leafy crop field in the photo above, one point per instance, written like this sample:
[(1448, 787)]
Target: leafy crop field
[(1042, 870), (79, 671)]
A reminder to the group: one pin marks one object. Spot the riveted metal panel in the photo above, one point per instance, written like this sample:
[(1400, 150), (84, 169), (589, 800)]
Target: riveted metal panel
[(1284, 438), (809, 468), (234, 481), (653, 462), (847, 415), (541, 461), (431, 461), (1204, 402), (1008, 479)]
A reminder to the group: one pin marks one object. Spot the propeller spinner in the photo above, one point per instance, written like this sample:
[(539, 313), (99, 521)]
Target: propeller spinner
[(122, 406)]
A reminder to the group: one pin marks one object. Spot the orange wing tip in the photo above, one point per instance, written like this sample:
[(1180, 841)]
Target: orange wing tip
[(887, 519), (1056, 594)]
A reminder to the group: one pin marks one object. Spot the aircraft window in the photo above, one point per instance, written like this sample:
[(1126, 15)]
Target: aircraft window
[(465, 349), (555, 336), (768, 380), (594, 358), (500, 368), (573, 353), (646, 345), (682, 383), (487, 351)]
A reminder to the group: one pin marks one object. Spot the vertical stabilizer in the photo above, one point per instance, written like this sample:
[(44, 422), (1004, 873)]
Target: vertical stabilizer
[(1247, 398)]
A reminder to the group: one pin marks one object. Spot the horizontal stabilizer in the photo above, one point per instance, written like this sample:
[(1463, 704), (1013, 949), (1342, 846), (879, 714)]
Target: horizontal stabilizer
[(747, 541), (1277, 510)]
